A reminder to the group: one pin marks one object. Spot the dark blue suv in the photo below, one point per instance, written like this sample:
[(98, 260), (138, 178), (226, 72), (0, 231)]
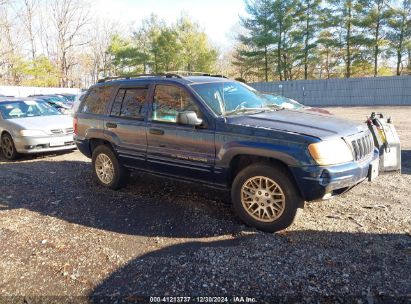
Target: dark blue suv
[(222, 133)]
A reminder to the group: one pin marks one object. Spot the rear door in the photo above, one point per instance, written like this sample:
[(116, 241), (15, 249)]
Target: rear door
[(126, 125), (173, 149)]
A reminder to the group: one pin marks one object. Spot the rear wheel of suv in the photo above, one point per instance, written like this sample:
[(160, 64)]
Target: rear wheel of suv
[(107, 170), (265, 197), (8, 148)]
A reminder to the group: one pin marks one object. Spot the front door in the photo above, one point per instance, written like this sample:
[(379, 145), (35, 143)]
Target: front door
[(173, 149), (126, 126)]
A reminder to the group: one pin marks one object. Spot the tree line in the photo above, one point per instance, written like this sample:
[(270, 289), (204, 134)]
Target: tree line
[(311, 39), (156, 47), (63, 43)]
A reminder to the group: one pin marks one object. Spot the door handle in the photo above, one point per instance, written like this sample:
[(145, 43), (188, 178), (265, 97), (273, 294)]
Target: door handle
[(111, 125), (156, 131)]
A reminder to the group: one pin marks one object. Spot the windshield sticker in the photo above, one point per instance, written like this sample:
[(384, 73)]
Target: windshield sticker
[(30, 102)]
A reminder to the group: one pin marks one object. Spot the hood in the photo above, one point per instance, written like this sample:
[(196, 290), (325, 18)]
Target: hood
[(299, 121), (45, 123)]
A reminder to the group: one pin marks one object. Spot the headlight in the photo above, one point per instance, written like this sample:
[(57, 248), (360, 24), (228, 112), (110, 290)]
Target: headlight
[(330, 152), (32, 133)]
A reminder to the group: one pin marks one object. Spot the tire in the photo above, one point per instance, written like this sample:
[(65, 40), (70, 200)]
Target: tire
[(107, 171), (269, 193), (8, 148)]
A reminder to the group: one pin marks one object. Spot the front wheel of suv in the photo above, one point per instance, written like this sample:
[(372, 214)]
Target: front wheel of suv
[(107, 170), (265, 197)]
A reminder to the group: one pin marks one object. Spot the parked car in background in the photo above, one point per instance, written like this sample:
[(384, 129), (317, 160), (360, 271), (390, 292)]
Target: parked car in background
[(32, 126), (69, 97), (292, 104), (220, 133), (57, 102), (77, 101)]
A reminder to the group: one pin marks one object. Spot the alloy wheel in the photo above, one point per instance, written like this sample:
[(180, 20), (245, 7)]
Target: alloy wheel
[(262, 198), (104, 168), (7, 147)]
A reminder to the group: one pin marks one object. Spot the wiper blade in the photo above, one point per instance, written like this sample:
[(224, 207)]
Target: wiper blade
[(241, 110), (245, 110), (275, 106)]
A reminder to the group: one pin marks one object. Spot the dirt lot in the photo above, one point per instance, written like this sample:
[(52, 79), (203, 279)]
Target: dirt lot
[(61, 235)]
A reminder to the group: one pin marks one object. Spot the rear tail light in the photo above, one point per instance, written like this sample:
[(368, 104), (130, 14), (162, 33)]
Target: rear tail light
[(75, 124)]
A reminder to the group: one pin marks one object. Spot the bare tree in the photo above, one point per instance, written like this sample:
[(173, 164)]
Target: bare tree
[(102, 31), (70, 18), (10, 45), (27, 15)]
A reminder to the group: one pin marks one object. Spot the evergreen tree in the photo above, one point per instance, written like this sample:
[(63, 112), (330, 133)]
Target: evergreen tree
[(259, 28), (345, 20), (400, 34), (374, 15), (308, 16)]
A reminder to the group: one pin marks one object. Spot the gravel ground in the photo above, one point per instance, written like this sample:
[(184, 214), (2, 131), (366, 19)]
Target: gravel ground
[(65, 239)]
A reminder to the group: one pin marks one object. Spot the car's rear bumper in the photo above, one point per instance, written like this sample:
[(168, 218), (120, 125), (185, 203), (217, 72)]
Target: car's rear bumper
[(83, 144), (317, 182), (44, 144)]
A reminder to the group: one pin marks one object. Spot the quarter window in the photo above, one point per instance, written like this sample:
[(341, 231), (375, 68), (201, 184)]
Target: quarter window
[(169, 101), (97, 100)]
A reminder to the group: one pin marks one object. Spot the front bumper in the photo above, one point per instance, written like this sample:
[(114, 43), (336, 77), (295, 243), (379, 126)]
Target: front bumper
[(316, 182), (44, 144)]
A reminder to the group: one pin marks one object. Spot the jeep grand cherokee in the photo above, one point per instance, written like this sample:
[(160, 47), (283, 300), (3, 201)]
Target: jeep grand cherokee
[(223, 134)]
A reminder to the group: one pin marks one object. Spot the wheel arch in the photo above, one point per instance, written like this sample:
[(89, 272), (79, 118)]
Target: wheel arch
[(95, 142), (242, 161)]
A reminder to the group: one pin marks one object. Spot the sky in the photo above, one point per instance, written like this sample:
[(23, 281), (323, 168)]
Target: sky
[(218, 18)]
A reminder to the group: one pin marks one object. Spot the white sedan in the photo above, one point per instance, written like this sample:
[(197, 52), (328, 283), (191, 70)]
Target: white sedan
[(32, 126)]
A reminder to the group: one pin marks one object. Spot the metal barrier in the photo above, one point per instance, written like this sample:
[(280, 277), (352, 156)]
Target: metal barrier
[(395, 90)]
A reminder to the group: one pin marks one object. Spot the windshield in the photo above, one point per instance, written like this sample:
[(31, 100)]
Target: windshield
[(27, 108), (282, 101), (231, 97)]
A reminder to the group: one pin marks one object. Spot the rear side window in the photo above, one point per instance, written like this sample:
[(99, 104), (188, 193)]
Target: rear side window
[(97, 100), (129, 103)]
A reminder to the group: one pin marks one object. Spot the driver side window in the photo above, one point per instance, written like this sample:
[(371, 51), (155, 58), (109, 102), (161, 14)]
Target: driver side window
[(169, 101)]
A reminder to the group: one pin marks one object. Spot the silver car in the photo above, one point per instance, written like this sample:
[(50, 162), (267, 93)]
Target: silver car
[(33, 126)]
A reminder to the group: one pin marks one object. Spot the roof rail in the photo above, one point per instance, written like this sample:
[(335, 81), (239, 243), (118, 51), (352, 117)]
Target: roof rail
[(167, 75), (219, 75), (189, 73)]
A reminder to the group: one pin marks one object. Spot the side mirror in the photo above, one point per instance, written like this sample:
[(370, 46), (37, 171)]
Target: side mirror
[(188, 118)]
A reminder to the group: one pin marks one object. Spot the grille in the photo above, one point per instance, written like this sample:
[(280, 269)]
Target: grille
[(362, 146), (57, 131), (62, 131)]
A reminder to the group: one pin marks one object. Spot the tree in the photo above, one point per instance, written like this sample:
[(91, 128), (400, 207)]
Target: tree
[(166, 50), (247, 67), (259, 36), (308, 16), (70, 18), (329, 53), (126, 57), (196, 53), (40, 72), (158, 47), (344, 19), (400, 34), (27, 16), (143, 39), (374, 18)]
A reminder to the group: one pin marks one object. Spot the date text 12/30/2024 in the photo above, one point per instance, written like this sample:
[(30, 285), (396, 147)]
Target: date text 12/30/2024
[(233, 299)]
